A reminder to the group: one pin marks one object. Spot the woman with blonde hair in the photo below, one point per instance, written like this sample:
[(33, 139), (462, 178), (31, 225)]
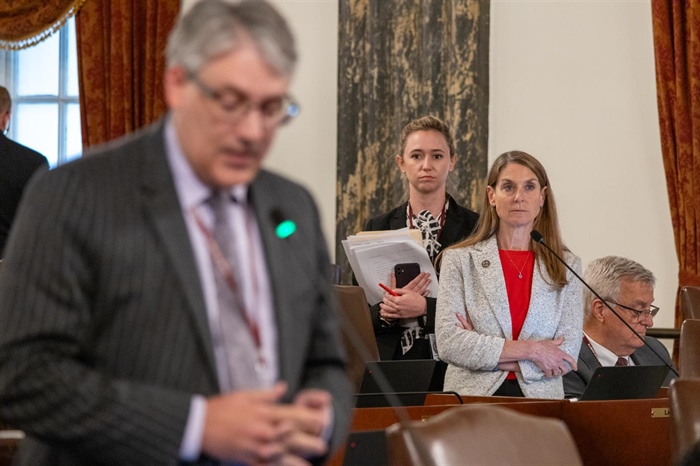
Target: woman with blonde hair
[(426, 156), (509, 314)]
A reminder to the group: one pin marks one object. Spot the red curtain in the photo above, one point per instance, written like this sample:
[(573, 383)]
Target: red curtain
[(121, 46), (676, 26)]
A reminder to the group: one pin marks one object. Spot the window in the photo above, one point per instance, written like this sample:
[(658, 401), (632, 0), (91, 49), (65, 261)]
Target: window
[(43, 83)]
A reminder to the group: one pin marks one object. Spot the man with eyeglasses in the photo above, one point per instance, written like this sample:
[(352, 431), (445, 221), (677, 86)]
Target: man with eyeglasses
[(628, 288), (17, 165), (151, 311)]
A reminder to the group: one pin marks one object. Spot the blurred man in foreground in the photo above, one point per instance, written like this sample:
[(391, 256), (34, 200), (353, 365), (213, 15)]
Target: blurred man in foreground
[(160, 318)]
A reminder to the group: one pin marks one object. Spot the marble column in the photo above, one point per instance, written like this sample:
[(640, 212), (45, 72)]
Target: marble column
[(399, 60)]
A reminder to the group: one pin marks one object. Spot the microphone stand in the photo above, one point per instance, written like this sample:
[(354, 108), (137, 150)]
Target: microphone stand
[(388, 391), (537, 237), (358, 344)]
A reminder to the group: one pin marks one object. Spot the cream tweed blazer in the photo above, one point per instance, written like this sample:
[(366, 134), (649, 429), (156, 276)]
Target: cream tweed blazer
[(471, 280)]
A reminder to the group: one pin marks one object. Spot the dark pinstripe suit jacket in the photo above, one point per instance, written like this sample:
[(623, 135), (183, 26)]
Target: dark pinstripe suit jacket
[(104, 335)]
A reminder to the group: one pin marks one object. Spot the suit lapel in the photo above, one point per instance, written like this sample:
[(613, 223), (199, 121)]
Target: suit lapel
[(588, 359), (162, 207), (487, 263), (398, 220), (644, 356), (279, 263), (454, 223)]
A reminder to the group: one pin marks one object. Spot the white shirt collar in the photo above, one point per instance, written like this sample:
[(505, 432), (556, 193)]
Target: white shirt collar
[(605, 356)]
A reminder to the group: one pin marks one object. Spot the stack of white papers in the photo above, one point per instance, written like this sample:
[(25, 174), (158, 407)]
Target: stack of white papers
[(373, 255)]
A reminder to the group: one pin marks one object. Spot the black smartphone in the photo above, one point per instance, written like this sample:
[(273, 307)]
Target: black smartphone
[(404, 273)]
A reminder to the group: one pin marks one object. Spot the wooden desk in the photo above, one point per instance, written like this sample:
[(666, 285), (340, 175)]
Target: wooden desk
[(9, 442), (365, 419), (623, 432), (606, 432)]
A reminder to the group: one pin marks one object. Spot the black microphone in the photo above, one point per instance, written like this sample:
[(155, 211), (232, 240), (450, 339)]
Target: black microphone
[(537, 237), (391, 395)]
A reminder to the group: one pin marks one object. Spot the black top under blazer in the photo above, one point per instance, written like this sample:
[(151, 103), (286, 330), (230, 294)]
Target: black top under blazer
[(105, 337), (459, 223)]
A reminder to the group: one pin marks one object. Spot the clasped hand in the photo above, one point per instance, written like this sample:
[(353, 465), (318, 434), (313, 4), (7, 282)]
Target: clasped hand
[(253, 427), (551, 359), (410, 300), (545, 354)]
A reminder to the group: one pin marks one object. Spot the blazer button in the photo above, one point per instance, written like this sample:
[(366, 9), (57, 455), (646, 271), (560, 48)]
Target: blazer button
[(485, 264)]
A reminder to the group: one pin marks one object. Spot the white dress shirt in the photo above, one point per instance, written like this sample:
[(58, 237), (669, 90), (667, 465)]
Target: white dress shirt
[(604, 356), (254, 279)]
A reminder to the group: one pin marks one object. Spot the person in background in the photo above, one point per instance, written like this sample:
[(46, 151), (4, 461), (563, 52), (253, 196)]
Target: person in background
[(628, 288), (17, 165), (150, 314), (426, 157), (508, 312)]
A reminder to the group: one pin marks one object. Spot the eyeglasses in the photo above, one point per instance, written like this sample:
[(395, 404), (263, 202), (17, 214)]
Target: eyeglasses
[(233, 105), (651, 312)]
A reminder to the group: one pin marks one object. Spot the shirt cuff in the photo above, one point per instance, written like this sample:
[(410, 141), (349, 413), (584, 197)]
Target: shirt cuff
[(191, 446), (328, 430)]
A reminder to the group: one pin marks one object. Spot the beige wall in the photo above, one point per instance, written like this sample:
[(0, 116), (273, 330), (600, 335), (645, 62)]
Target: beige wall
[(305, 151), (572, 82)]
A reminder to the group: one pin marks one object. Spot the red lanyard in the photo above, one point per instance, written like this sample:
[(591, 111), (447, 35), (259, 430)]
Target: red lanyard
[(224, 267), (590, 347)]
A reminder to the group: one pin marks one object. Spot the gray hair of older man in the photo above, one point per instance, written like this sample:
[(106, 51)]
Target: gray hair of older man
[(605, 274), (213, 27)]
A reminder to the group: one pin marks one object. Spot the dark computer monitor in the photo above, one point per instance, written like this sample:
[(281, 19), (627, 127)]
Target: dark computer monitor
[(367, 448), (624, 383), (386, 400), (413, 375), (409, 381)]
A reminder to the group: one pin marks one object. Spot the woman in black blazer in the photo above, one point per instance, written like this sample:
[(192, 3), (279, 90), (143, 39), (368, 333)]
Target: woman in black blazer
[(403, 324)]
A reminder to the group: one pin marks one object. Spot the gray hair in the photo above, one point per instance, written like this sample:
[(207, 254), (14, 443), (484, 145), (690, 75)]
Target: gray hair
[(605, 274), (212, 27)]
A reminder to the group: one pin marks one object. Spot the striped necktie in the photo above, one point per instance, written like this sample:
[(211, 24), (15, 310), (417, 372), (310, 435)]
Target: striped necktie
[(240, 349)]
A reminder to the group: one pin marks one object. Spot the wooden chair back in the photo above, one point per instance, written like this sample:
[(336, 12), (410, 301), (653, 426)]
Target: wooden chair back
[(690, 302), (357, 329), (684, 400), (482, 434), (689, 357)]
